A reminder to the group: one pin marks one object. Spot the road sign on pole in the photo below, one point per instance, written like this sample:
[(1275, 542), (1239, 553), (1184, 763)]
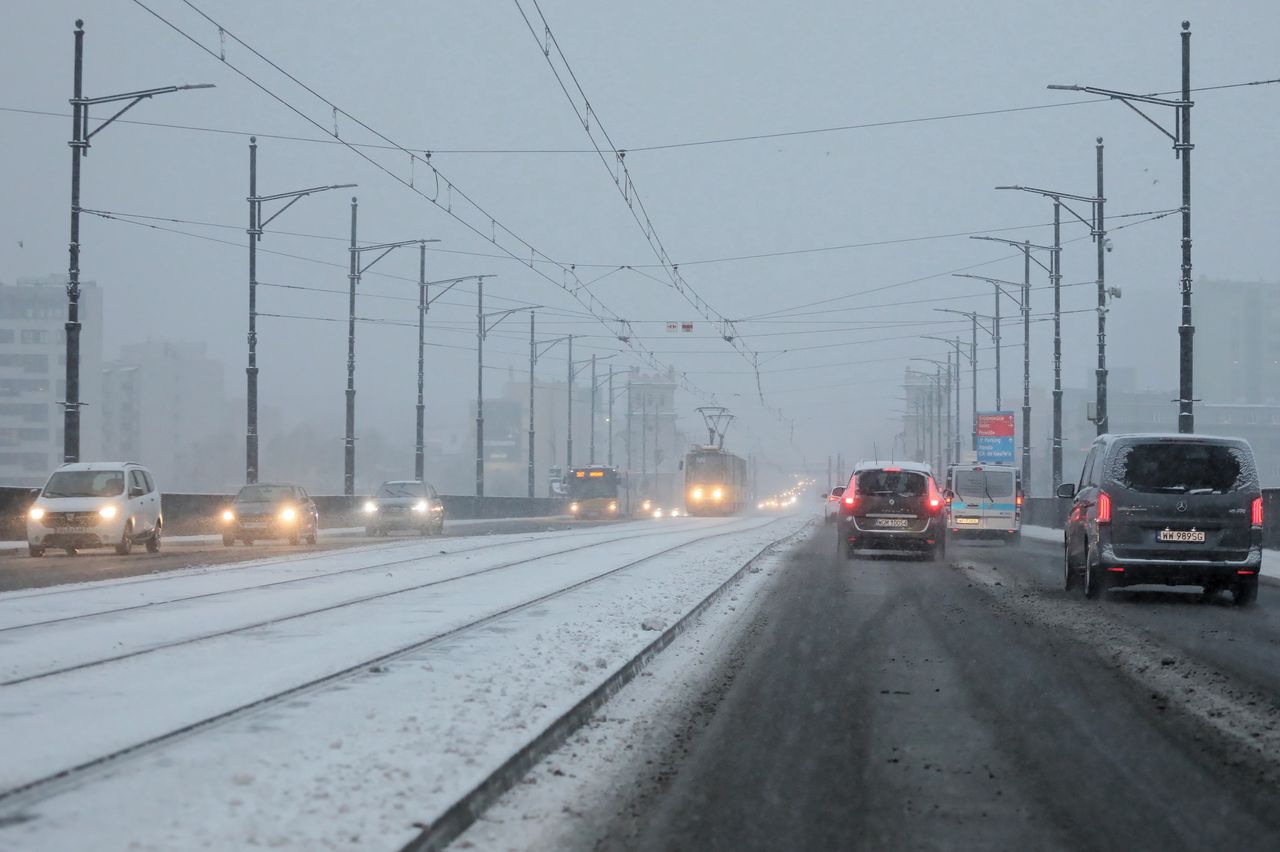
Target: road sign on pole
[(995, 437)]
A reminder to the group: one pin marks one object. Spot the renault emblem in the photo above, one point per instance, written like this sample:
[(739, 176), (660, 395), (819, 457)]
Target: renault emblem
[(1182, 505), (891, 503)]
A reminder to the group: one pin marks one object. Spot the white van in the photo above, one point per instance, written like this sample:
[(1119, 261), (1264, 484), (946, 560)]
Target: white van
[(984, 501), (96, 504)]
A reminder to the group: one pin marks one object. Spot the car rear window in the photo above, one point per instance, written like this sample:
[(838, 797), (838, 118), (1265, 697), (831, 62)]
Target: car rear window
[(900, 482), (984, 483), (1175, 467)]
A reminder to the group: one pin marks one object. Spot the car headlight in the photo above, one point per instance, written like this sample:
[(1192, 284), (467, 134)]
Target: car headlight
[(613, 507), (420, 506), (228, 515), (36, 513), (370, 507), (108, 512), (646, 505), (675, 513), (717, 494), (657, 513), (289, 514), (573, 507), (696, 494)]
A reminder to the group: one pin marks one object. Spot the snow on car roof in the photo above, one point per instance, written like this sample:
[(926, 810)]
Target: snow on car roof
[(918, 467)]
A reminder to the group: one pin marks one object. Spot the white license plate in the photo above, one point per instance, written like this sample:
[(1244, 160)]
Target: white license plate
[(968, 522), (1180, 535), (892, 522)]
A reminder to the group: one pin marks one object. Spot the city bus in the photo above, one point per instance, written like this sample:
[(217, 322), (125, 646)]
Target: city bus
[(593, 492)]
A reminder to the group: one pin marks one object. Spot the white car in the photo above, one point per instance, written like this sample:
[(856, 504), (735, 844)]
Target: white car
[(96, 504)]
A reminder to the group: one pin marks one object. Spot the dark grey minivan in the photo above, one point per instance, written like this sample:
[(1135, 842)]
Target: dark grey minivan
[(1168, 509)]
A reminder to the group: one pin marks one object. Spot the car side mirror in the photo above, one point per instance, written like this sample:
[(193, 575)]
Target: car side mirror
[(1067, 490), (135, 491)]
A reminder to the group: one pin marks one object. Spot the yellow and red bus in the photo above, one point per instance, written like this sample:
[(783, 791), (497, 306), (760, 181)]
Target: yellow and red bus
[(593, 492)]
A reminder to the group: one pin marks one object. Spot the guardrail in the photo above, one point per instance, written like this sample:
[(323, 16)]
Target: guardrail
[(195, 514)]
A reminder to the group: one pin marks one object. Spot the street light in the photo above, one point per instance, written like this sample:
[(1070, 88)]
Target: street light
[(1182, 147), (483, 327), (939, 392), (80, 136), (536, 350), (255, 230), (1026, 247), (1056, 276), (973, 360), (955, 343), (355, 270)]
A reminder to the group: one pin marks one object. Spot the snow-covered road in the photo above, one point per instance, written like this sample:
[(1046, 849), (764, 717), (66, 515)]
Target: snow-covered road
[(325, 702)]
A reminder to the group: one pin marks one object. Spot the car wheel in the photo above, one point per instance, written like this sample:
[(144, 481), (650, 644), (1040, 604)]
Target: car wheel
[(1245, 592), (311, 537), (1095, 583), (295, 539), (1068, 570), (37, 552), (228, 540), (153, 543), (125, 547), (248, 542), (371, 532)]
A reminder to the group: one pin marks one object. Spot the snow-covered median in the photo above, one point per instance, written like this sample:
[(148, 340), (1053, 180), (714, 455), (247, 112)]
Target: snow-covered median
[(360, 762)]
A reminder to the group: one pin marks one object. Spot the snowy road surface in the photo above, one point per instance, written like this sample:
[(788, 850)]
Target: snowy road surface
[(325, 700), (896, 704)]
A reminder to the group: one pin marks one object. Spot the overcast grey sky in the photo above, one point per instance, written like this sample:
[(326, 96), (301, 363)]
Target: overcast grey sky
[(467, 79)]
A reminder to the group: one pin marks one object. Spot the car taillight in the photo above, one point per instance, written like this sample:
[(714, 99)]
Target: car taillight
[(935, 499), (1018, 501), (1104, 507), (1257, 511)]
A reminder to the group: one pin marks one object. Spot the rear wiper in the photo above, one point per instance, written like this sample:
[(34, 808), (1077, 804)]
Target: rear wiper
[(1204, 491)]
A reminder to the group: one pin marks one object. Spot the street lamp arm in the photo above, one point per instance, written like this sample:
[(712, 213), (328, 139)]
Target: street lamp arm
[(1121, 96), (501, 315), (386, 249), (298, 193), (134, 98), (1049, 193)]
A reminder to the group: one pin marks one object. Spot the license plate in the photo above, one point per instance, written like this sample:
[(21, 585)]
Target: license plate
[(892, 522), (1180, 535), (968, 522)]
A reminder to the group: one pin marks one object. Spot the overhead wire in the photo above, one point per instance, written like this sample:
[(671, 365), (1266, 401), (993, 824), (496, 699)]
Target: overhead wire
[(594, 305)]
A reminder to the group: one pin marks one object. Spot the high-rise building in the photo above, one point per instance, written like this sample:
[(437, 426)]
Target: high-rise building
[(33, 376)]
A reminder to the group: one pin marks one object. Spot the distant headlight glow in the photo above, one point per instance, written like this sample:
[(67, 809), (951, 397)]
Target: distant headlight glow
[(696, 494), (36, 513), (574, 507), (228, 515), (420, 506), (289, 514), (657, 513), (370, 507), (613, 507), (717, 494), (107, 512)]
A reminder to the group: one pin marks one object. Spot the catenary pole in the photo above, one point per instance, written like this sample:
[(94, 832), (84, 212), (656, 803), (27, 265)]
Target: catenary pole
[(251, 371), (533, 360), (1057, 345), (1100, 238), (419, 459), (349, 445), (480, 387)]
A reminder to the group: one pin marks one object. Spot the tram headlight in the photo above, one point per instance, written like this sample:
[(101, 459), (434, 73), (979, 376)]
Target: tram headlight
[(573, 508), (696, 494), (717, 494), (613, 507)]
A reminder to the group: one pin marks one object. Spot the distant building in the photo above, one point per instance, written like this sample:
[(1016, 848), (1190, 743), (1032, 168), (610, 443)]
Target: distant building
[(1237, 342), (33, 376), (165, 405)]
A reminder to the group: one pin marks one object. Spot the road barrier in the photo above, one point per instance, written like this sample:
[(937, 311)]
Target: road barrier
[(195, 514)]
